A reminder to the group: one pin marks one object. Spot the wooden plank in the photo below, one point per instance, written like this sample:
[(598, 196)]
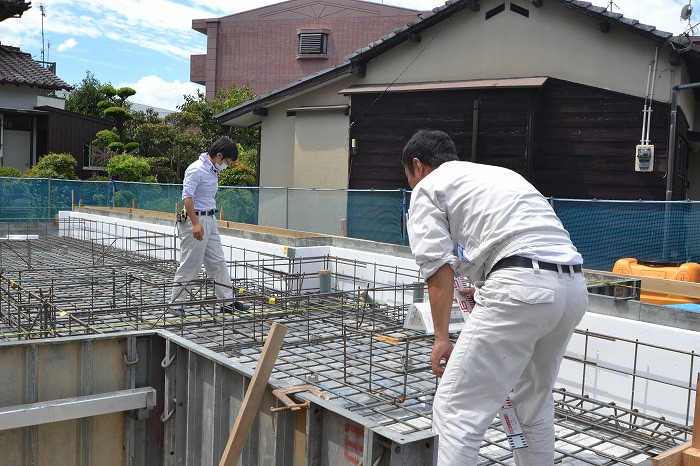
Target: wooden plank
[(687, 454), (672, 457), (659, 285), (239, 434), (690, 457)]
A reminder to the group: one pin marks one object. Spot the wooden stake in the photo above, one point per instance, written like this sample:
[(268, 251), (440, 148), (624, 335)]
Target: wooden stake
[(253, 396), (687, 454)]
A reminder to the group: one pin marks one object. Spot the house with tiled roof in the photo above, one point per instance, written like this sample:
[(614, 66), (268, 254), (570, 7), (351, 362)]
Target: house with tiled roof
[(585, 103), (33, 121), (20, 69)]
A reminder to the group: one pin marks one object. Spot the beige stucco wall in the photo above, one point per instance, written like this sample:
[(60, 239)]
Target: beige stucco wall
[(308, 150), (553, 41), (320, 148), (286, 137)]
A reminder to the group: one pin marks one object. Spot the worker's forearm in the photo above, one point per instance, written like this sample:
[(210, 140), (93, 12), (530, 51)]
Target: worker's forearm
[(441, 295), (189, 207)]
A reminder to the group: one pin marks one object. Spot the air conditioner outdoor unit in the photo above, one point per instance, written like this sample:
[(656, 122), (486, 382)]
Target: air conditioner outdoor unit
[(644, 158)]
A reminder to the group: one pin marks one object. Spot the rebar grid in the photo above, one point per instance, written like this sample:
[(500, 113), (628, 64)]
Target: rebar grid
[(350, 344)]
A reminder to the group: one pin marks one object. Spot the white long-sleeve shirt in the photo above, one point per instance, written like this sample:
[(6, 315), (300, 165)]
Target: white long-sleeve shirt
[(471, 215), (201, 183)]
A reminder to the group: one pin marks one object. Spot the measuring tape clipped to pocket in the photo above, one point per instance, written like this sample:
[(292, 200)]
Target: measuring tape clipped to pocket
[(511, 425)]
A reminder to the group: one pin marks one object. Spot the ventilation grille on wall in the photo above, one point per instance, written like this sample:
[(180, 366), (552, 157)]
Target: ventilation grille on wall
[(313, 43)]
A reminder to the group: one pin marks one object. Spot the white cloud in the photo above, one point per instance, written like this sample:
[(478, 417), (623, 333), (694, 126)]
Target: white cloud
[(156, 92), (67, 45)]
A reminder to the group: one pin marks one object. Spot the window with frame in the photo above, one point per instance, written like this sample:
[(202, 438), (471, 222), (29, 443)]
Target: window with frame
[(312, 43)]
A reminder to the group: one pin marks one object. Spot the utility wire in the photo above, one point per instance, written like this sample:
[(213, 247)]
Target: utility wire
[(420, 52)]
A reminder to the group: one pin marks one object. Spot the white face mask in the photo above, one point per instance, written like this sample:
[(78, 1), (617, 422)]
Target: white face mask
[(221, 166)]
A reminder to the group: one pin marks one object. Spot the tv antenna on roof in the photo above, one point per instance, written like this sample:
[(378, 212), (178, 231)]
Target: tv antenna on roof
[(42, 8), (686, 12)]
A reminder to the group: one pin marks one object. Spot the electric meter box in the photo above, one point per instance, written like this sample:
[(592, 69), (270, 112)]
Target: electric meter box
[(644, 158)]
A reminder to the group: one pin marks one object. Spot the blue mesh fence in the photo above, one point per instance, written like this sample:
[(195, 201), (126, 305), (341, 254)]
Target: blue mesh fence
[(377, 215), (603, 231)]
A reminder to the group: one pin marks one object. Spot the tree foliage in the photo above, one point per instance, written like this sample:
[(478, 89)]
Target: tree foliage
[(171, 143), (202, 111), (126, 167), (85, 97), (51, 165), (116, 108), (242, 172)]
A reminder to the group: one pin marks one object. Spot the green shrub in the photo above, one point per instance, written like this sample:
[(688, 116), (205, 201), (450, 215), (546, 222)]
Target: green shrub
[(123, 198), (10, 172), (61, 166), (126, 167)]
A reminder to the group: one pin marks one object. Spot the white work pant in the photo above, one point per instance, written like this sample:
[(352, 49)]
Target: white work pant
[(515, 338), (194, 253)]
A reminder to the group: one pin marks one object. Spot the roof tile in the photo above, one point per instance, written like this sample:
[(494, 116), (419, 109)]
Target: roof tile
[(19, 68)]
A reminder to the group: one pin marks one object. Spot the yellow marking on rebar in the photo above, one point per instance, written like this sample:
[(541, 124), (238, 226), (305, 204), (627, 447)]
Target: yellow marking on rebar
[(387, 338)]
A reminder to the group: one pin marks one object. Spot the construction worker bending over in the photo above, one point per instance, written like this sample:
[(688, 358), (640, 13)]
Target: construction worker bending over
[(489, 224), (200, 242)]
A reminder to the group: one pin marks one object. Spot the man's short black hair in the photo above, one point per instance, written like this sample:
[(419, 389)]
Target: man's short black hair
[(431, 147), (226, 146)]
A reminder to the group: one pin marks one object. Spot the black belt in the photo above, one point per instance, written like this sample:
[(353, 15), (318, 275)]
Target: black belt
[(205, 212), (519, 261)]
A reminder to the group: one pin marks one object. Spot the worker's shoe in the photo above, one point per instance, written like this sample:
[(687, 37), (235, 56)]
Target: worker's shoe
[(235, 306)]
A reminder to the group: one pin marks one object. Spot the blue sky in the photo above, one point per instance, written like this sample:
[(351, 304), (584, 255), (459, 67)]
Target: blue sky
[(146, 44)]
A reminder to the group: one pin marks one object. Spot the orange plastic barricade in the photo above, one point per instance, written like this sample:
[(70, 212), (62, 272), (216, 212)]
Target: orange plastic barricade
[(686, 272)]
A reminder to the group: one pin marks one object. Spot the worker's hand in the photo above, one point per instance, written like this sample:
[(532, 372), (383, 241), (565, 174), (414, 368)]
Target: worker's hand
[(442, 349), (467, 291), (198, 232)]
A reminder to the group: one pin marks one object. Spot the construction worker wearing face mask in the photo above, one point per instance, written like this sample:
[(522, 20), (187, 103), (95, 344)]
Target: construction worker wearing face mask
[(200, 242)]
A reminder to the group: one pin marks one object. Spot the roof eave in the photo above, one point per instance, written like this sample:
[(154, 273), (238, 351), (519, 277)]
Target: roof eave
[(260, 104), (47, 87)]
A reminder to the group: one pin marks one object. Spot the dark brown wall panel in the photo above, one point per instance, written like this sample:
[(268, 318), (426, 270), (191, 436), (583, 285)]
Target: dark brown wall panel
[(569, 140), (383, 124), (585, 144), (68, 132)]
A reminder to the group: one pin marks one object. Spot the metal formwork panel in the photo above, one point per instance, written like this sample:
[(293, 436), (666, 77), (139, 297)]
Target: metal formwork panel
[(46, 370)]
